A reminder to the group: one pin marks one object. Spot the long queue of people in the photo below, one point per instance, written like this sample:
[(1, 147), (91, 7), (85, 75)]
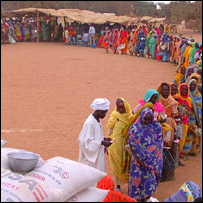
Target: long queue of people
[(146, 144), (145, 40)]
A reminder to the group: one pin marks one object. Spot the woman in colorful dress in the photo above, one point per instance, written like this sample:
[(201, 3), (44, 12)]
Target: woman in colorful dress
[(44, 31), (194, 50), (193, 140), (18, 32), (26, 31), (186, 54), (145, 140), (195, 76), (124, 40), (152, 96), (107, 40), (180, 75), (171, 109), (188, 73), (184, 109), (152, 45)]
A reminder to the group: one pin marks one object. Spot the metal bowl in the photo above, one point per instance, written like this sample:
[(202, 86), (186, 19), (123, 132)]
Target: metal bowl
[(22, 161)]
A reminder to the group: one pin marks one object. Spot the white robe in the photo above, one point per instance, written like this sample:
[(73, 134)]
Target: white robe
[(91, 152)]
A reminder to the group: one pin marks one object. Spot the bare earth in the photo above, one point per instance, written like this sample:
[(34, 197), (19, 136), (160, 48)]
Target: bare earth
[(46, 90)]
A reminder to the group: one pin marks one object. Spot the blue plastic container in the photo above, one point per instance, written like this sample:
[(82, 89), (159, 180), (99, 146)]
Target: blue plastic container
[(94, 46)]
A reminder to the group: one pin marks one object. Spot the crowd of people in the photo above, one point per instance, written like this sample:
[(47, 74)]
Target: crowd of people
[(156, 42), (137, 138)]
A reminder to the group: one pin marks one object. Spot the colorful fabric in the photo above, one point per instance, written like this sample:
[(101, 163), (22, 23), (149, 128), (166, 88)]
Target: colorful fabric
[(168, 102), (196, 101), (152, 45), (147, 143), (149, 35), (115, 38), (186, 56), (195, 75), (117, 122), (188, 192), (184, 102), (126, 156), (170, 106), (192, 59), (178, 76), (158, 107), (185, 78), (107, 183)]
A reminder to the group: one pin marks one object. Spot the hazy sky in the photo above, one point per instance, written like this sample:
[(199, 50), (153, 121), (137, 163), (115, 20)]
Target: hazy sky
[(165, 2)]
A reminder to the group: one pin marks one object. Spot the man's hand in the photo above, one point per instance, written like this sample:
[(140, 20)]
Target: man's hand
[(107, 138)]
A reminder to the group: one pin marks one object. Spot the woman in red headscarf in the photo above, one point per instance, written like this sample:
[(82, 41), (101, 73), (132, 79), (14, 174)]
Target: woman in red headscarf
[(184, 108)]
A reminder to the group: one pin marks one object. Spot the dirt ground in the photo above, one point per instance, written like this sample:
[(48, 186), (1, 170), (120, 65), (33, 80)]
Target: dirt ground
[(47, 89)]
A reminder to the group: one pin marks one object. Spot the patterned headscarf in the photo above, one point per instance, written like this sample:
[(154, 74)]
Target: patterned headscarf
[(153, 134), (196, 101), (188, 192), (146, 112)]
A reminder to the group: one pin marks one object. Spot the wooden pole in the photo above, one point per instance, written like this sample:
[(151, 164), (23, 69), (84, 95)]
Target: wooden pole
[(37, 26)]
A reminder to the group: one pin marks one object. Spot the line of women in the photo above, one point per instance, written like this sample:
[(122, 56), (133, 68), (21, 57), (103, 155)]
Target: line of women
[(141, 134), (18, 30), (146, 40), (150, 42)]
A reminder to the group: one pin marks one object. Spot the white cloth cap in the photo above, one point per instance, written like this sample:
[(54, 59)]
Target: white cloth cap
[(100, 104)]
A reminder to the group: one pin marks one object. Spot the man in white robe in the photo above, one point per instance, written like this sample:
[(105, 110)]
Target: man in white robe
[(91, 139)]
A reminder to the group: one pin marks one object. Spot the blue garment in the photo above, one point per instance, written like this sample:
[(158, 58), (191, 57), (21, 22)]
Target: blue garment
[(182, 50), (165, 55), (188, 192), (196, 101), (147, 143), (142, 40)]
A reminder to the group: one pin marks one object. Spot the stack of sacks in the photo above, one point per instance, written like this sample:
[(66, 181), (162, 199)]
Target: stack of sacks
[(70, 180), (18, 188)]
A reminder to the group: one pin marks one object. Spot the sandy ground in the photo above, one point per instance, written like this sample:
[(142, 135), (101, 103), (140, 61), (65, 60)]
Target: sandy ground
[(46, 90)]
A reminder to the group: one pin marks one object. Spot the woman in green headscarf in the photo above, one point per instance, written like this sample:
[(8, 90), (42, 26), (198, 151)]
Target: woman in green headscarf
[(149, 35), (193, 51)]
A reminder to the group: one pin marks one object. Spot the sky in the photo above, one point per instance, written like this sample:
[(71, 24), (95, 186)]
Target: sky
[(165, 2)]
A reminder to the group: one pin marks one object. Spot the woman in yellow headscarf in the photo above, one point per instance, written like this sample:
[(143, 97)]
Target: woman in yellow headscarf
[(195, 76), (186, 54), (119, 122), (180, 74), (119, 118)]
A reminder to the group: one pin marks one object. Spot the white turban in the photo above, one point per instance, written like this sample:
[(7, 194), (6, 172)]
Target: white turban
[(100, 104)]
